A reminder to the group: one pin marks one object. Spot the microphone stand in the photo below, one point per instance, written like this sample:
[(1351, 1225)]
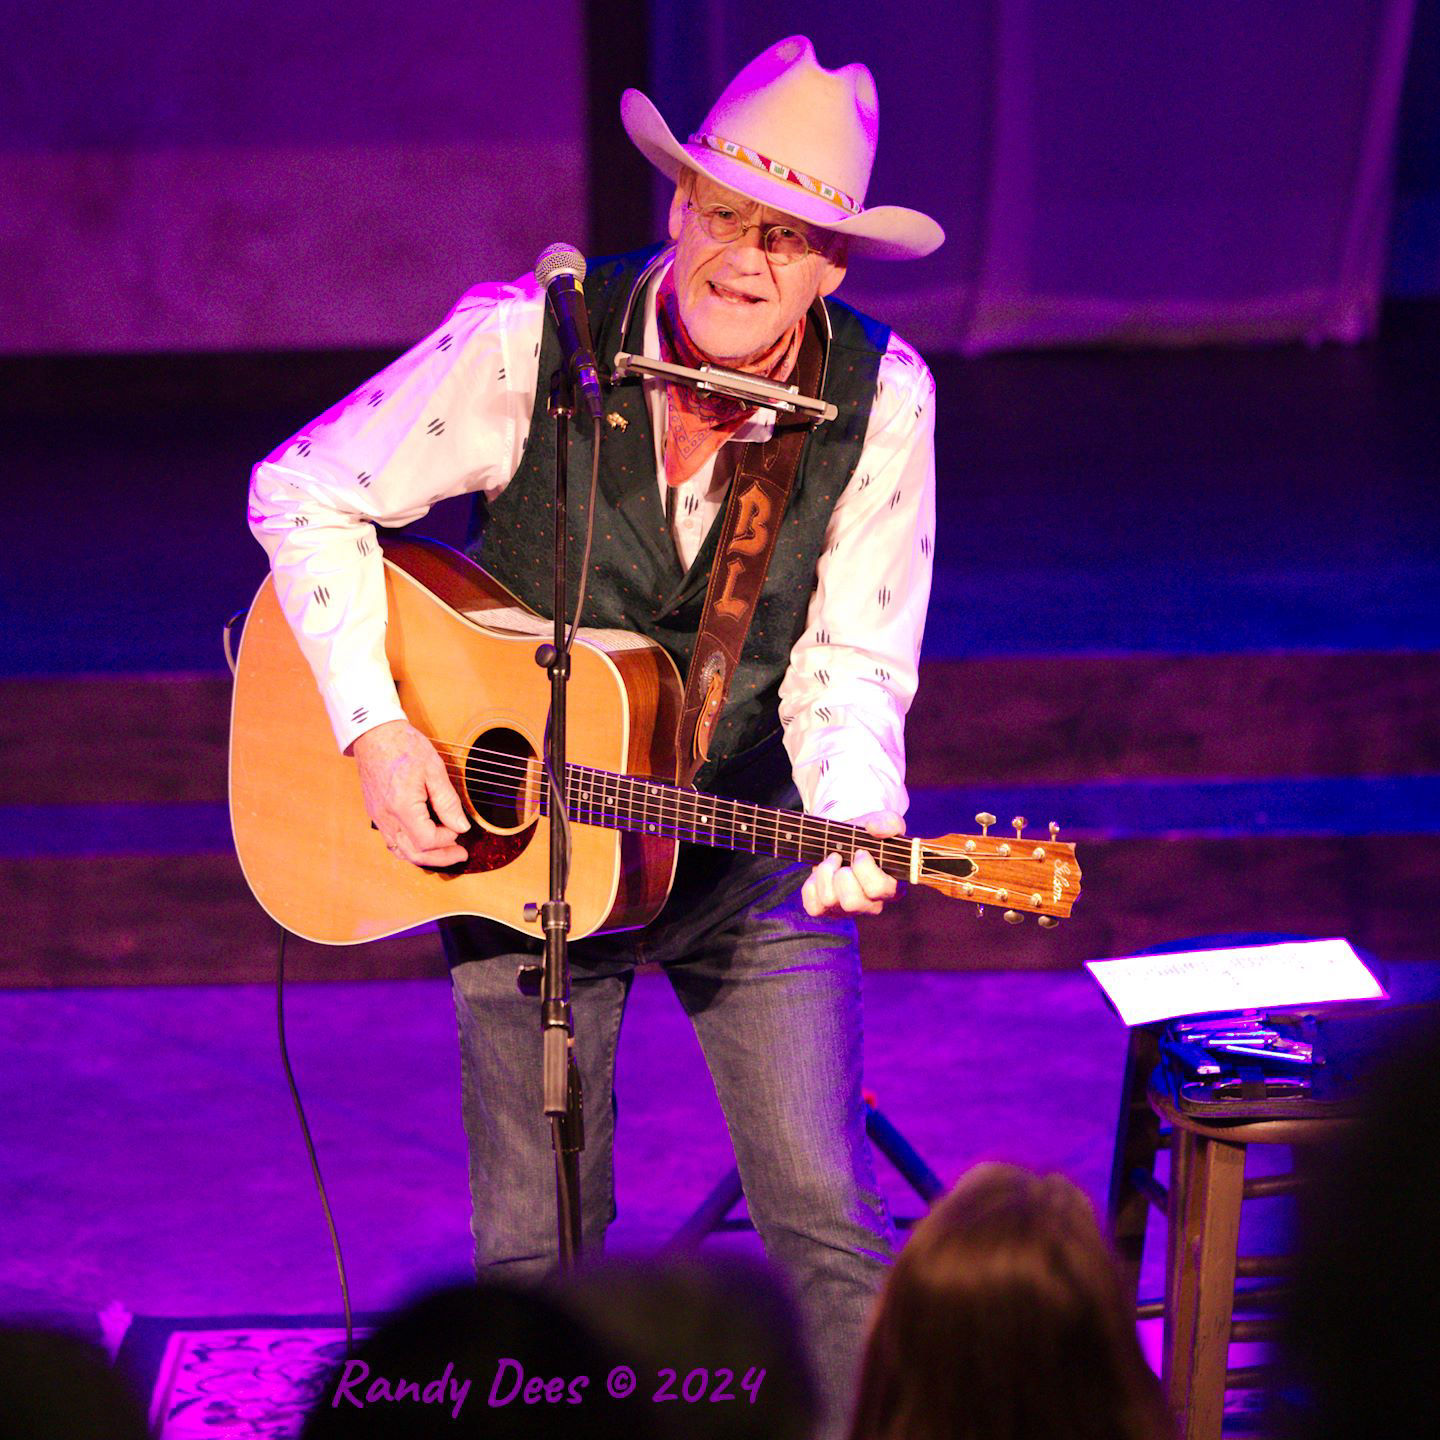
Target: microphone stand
[(561, 1073), (562, 1099)]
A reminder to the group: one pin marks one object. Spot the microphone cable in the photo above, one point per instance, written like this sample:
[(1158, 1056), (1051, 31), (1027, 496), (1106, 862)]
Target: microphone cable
[(559, 810), (309, 1141), (227, 640)]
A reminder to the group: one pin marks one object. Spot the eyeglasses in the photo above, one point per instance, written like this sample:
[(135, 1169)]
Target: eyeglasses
[(784, 244)]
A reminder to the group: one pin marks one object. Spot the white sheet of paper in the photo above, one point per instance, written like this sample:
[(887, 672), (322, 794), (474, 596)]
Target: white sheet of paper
[(1146, 988)]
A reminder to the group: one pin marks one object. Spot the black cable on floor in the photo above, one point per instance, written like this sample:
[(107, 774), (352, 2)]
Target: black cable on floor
[(309, 1142)]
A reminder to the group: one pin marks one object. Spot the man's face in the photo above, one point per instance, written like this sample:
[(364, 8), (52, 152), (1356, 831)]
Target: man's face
[(735, 300)]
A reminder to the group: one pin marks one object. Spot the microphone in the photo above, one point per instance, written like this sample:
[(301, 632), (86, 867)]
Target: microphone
[(560, 269)]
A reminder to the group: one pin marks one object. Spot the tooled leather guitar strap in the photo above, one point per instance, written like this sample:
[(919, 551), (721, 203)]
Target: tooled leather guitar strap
[(759, 492)]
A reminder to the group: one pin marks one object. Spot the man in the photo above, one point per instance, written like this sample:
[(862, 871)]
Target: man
[(763, 957)]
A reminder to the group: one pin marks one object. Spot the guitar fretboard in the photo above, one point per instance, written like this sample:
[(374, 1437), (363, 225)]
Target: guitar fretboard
[(627, 802)]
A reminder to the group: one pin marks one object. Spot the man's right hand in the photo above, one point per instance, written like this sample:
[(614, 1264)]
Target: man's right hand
[(403, 779)]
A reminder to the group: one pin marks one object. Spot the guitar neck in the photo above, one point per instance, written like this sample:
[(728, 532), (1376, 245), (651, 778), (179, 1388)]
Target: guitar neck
[(628, 802)]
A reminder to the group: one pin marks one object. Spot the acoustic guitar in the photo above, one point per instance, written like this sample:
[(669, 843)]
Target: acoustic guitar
[(462, 650)]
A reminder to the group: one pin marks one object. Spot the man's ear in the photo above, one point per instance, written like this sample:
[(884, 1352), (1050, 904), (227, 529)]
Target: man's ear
[(684, 183), (834, 271)]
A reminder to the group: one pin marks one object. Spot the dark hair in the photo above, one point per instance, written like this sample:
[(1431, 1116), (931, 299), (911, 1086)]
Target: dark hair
[(53, 1384), (1361, 1325), (498, 1338), (1004, 1317), (725, 1316)]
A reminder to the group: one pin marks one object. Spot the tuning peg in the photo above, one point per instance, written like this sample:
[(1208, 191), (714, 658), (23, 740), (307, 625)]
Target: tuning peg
[(1054, 829), (1048, 922), (1019, 822), (1013, 917), (984, 820)]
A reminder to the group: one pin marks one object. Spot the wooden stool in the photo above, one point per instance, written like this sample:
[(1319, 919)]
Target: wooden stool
[(1207, 1187), (1201, 1206), (1133, 1187), (1208, 1140)]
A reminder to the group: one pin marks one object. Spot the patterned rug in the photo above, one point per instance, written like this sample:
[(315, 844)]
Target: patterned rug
[(255, 1378), (240, 1377)]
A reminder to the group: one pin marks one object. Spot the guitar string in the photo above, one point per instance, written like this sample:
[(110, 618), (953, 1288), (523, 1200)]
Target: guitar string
[(504, 766), (582, 805), (586, 813), (595, 814), (591, 813), (665, 832), (513, 771), (767, 830)]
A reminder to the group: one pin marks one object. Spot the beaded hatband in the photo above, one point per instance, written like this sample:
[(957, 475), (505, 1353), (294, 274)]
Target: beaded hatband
[(774, 168)]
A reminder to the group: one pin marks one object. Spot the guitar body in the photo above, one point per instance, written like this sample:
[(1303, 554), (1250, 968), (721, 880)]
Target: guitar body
[(466, 674)]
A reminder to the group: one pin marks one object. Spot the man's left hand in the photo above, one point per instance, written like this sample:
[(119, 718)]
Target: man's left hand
[(861, 888)]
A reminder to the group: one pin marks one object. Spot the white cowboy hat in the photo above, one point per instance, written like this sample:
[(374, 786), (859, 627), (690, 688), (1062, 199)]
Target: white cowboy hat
[(797, 138)]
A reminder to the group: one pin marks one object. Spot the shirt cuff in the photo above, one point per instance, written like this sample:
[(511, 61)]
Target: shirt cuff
[(843, 779), (853, 795), (361, 707)]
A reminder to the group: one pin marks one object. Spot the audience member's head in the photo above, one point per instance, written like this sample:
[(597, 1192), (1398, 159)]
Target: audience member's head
[(723, 1326), (484, 1360), (1365, 1317), (57, 1387), (1004, 1317)]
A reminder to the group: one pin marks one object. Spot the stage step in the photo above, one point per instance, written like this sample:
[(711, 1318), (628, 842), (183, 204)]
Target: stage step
[(1208, 794)]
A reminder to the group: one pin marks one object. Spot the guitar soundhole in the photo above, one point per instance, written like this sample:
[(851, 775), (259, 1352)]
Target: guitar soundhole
[(502, 777)]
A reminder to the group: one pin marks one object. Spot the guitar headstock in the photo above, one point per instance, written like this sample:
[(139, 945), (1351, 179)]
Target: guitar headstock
[(1035, 876)]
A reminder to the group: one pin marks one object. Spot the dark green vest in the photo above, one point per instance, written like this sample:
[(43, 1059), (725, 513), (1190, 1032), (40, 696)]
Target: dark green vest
[(636, 580)]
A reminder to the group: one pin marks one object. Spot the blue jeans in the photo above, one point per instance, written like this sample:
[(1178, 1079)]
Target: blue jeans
[(774, 996)]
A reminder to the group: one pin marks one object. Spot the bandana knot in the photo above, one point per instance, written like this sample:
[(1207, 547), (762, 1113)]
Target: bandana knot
[(698, 423)]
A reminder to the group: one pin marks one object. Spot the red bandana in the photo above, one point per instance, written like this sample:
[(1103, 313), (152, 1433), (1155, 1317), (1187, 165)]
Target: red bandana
[(698, 424)]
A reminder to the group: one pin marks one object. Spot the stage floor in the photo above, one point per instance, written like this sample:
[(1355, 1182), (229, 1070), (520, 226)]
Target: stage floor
[(151, 1167), (149, 1153)]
